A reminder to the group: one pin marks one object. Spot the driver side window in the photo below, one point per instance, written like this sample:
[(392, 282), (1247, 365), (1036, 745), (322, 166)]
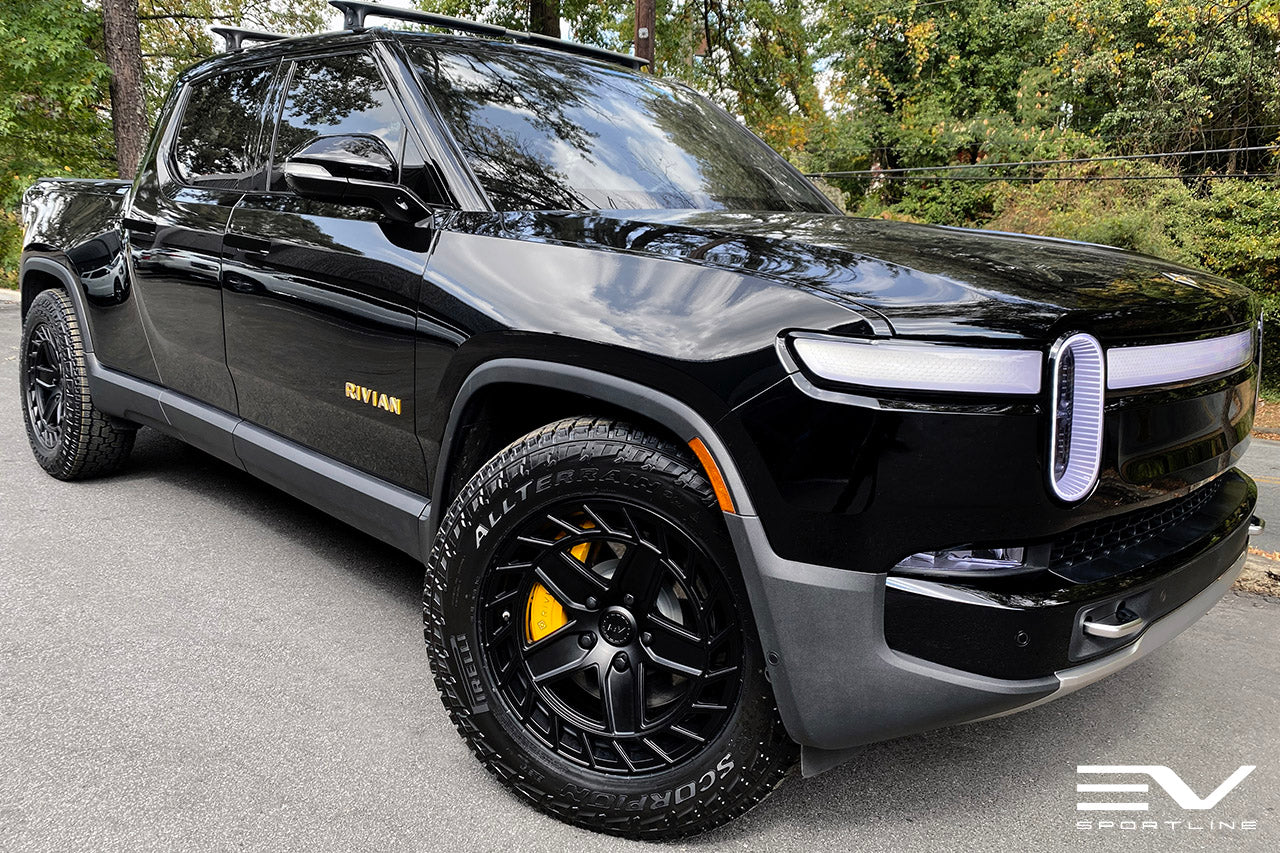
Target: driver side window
[(330, 95)]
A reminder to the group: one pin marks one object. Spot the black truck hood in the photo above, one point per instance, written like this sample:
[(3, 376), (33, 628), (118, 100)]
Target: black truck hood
[(926, 281)]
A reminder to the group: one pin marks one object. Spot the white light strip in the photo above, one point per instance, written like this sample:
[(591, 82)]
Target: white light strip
[(1165, 364), (1085, 457), (921, 366)]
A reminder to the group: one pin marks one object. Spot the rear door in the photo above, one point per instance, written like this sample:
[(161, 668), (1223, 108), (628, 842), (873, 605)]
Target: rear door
[(321, 297), (209, 154)]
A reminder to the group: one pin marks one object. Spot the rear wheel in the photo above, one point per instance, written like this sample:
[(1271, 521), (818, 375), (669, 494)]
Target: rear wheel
[(70, 438), (592, 640)]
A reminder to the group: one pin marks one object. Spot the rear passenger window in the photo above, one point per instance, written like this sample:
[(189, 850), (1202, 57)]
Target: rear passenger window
[(335, 95), (217, 142)]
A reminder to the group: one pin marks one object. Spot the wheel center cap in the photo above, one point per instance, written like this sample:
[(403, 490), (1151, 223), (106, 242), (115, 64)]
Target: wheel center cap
[(617, 626)]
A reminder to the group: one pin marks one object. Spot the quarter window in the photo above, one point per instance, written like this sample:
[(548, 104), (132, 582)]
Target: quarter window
[(334, 95), (217, 142)]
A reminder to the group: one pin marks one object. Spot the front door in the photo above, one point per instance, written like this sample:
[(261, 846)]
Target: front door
[(321, 297)]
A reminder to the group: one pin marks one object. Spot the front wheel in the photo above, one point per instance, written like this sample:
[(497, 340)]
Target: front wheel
[(592, 640)]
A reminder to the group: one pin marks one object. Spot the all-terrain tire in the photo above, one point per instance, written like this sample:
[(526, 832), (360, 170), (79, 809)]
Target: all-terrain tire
[(70, 437), (594, 460)]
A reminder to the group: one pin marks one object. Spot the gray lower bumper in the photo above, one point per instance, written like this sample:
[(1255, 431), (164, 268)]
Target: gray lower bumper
[(838, 684), (1160, 632)]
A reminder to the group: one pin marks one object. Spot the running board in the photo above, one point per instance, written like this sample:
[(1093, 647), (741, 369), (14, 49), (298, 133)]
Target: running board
[(370, 504)]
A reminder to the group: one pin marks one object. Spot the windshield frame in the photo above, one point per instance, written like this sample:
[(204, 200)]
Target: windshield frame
[(410, 42)]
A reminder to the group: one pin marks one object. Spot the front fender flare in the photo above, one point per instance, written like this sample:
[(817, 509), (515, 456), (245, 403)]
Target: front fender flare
[(657, 406)]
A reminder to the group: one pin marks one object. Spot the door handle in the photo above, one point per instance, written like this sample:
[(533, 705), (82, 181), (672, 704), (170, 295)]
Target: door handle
[(1116, 626), (248, 245)]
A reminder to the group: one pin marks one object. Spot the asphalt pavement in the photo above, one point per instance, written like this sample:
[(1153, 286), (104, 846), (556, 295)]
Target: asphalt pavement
[(191, 660)]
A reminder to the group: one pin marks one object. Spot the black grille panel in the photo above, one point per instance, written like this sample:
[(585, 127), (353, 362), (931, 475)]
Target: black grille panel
[(1086, 553)]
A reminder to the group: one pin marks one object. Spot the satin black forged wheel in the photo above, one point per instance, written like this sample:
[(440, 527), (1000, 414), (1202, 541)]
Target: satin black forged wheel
[(611, 636), (592, 640), (69, 437)]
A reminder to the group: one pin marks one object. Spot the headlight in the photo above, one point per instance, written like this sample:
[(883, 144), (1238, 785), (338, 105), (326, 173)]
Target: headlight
[(975, 560), (1166, 364), (918, 366)]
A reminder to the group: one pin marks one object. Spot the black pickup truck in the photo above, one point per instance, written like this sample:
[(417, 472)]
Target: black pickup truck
[(706, 476)]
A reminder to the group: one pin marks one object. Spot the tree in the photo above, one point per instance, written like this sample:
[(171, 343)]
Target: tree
[(175, 32), (752, 56), (123, 51), (54, 117)]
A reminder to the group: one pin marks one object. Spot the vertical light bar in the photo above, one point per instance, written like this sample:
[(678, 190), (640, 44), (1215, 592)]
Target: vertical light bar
[(1078, 380)]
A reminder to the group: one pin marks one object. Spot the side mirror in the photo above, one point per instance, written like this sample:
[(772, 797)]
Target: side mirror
[(352, 169)]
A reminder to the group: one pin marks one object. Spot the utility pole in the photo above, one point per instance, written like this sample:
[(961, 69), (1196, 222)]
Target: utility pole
[(645, 16)]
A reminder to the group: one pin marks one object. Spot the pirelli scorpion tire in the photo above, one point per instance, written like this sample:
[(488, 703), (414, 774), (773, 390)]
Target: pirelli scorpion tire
[(591, 638), (70, 438)]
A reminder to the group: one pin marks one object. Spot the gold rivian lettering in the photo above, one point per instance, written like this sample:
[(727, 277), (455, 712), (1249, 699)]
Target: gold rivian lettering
[(374, 398)]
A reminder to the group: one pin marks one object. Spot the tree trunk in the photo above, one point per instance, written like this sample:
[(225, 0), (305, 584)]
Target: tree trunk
[(124, 58), (544, 17)]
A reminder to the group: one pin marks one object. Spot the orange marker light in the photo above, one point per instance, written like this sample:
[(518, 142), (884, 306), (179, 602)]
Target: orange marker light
[(713, 474)]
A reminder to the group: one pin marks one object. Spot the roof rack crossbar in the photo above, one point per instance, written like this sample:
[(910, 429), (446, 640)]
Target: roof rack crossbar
[(236, 37), (354, 13)]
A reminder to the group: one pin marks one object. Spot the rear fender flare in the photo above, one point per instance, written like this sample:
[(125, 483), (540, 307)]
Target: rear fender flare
[(60, 271)]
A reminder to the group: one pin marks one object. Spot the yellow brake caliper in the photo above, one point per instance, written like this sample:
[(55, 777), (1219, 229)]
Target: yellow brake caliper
[(544, 615)]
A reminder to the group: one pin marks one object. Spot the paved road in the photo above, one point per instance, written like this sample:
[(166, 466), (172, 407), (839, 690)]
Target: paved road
[(1263, 464), (190, 660)]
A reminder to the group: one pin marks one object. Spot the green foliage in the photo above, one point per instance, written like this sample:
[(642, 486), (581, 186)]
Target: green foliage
[(175, 34), (53, 110), (752, 56), (54, 105), (835, 85)]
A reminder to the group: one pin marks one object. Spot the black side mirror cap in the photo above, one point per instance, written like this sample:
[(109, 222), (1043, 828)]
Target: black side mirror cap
[(353, 169)]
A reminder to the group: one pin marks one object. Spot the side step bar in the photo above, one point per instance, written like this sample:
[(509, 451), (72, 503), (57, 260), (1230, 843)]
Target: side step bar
[(383, 510)]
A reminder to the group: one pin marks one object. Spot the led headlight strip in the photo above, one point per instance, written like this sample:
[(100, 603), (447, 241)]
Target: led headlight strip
[(1080, 373), (916, 366), (1166, 364)]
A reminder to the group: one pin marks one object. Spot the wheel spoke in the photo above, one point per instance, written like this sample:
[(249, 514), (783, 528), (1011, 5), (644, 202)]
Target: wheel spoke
[(666, 759), (623, 693), (44, 375), (567, 579), (676, 649), (555, 656), (639, 574)]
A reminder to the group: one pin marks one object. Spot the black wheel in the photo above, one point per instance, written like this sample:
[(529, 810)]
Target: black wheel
[(70, 438), (592, 640)]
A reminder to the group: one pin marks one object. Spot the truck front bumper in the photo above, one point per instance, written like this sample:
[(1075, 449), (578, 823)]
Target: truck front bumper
[(839, 684)]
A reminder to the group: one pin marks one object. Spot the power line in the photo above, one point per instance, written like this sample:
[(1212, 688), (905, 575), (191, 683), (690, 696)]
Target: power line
[(1084, 137), (1072, 178), (859, 173)]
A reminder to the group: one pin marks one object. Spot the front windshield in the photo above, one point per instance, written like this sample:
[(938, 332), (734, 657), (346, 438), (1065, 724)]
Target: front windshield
[(544, 132)]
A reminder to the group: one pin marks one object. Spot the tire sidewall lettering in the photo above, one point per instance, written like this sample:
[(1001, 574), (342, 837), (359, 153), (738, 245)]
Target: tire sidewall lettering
[(654, 800)]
